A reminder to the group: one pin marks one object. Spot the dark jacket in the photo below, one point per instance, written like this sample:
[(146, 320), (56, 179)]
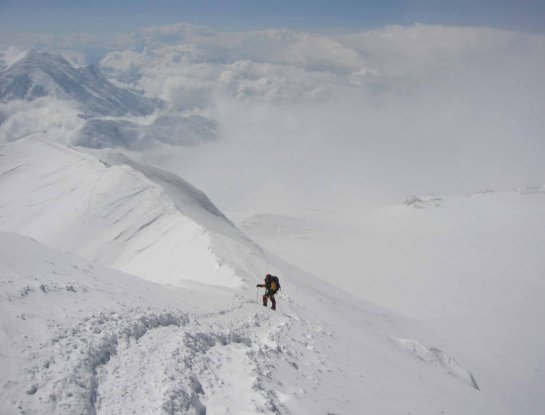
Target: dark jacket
[(270, 285)]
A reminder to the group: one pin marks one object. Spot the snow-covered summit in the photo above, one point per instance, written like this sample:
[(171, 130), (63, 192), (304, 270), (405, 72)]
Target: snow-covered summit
[(40, 74)]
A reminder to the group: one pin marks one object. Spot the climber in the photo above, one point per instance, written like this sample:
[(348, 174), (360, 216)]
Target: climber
[(272, 286)]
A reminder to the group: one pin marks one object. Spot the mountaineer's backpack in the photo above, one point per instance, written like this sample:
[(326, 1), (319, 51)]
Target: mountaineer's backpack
[(275, 283)]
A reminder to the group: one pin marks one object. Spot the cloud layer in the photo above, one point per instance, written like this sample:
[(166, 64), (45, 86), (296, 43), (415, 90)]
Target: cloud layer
[(314, 119), (54, 119)]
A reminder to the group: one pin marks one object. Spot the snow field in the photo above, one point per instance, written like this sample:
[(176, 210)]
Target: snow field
[(469, 268)]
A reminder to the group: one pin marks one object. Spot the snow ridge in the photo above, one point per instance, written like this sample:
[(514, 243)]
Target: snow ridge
[(117, 212), (184, 195)]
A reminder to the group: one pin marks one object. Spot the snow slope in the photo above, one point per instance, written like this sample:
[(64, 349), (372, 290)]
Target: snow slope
[(80, 338), (470, 268), (118, 213)]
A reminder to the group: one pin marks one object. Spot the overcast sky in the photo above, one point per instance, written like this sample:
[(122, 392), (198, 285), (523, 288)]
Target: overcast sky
[(111, 16)]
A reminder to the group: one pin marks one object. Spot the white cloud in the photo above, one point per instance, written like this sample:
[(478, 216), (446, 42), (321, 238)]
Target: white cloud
[(11, 54), (54, 119), (392, 112), (378, 114), (291, 65)]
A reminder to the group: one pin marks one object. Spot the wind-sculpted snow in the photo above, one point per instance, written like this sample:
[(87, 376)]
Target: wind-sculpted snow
[(187, 198), (40, 74)]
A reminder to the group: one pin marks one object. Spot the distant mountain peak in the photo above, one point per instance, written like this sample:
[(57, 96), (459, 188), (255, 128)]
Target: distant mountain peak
[(40, 74)]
